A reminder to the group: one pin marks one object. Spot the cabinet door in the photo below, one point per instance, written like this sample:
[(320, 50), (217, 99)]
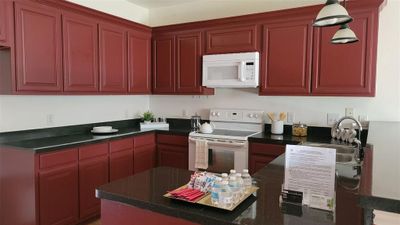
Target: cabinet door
[(347, 69), (144, 158), (188, 72), (286, 58), (80, 45), (6, 22), (58, 195), (121, 164), (172, 156), (92, 173), (139, 62), (164, 65), (38, 47), (113, 76), (257, 162), (232, 39)]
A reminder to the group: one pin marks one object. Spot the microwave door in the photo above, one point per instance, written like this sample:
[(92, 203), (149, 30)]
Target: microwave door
[(220, 72)]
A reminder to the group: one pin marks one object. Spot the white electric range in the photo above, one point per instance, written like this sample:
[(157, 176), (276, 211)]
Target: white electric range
[(228, 144)]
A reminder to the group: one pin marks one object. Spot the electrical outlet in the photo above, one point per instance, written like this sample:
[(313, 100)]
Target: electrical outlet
[(290, 117), (50, 119), (349, 112), (332, 119)]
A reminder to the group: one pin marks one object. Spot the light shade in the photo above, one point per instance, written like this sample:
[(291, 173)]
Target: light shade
[(332, 14), (344, 35)]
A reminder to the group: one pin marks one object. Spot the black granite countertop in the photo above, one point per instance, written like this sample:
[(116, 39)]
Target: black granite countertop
[(145, 190)]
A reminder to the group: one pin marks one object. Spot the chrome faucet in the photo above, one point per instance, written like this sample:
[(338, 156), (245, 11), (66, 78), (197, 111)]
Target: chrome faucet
[(358, 155)]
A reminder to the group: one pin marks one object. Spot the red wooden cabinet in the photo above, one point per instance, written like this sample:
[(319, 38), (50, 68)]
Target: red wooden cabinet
[(121, 158), (243, 38), (172, 151), (38, 47), (139, 62), (188, 69), (164, 64), (58, 188), (93, 172), (286, 58), (348, 69), (80, 45), (6, 23), (113, 58), (144, 152), (261, 154)]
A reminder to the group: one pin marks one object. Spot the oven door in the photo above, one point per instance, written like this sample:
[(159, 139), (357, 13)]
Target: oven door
[(223, 155)]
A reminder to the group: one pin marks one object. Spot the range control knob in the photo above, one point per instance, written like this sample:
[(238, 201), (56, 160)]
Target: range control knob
[(250, 115), (256, 115), (213, 113), (218, 114)]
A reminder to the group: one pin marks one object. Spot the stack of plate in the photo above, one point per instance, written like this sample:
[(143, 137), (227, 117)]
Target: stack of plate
[(103, 130)]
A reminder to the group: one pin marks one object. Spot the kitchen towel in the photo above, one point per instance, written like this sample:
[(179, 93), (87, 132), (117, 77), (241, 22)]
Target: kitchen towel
[(201, 160)]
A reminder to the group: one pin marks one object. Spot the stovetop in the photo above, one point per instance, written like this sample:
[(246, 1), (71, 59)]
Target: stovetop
[(226, 134)]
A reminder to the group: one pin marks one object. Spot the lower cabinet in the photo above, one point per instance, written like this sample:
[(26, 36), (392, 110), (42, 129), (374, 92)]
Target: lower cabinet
[(172, 151), (121, 158), (262, 154), (144, 153)]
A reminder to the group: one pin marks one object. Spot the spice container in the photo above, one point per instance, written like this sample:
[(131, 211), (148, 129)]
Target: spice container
[(299, 130)]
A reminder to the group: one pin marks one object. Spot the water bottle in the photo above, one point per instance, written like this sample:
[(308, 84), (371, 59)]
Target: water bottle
[(232, 173), (215, 191), (234, 186), (247, 181), (241, 184), (224, 177), (225, 196)]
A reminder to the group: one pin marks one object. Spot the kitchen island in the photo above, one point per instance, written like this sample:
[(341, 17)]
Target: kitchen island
[(139, 200)]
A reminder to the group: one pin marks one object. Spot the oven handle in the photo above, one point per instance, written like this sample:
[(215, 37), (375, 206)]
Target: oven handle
[(239, 145)]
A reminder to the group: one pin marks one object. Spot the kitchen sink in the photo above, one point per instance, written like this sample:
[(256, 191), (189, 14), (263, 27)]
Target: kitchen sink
[(344, 153)]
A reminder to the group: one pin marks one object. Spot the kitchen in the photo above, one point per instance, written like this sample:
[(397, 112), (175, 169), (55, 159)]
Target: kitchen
[(34, 106)]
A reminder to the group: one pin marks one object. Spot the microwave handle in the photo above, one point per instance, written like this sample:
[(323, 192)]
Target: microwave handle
[(242, 67)]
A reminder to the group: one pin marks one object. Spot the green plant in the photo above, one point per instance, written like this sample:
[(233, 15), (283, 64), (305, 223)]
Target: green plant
[(148, 116)]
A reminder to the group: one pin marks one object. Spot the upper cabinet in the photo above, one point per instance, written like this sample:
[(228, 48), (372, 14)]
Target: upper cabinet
[(139, 62), (348, 69), (38, 47), (286, 58), (113, 58), (164, 65), (6, 23), (80, 44), (232, 39)]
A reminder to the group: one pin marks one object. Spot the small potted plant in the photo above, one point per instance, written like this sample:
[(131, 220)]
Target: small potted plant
[(148, 117)]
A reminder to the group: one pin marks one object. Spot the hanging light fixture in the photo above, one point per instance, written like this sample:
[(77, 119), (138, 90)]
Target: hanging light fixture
[(344, 35), (332, 14)]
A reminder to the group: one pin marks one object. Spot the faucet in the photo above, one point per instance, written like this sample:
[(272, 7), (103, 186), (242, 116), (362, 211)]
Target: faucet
[(358, 154)]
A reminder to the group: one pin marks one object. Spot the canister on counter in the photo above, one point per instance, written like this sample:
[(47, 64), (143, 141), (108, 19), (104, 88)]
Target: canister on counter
[(299, 130)]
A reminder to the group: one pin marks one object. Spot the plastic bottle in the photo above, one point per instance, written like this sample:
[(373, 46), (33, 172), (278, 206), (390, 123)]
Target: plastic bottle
[(232, 173), (234, 186), (225, 197), (215, 191), (241, 184), (247, 181)]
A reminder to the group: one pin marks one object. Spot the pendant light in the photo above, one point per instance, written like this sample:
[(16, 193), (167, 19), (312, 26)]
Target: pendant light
[(332, 14), (344, 35)]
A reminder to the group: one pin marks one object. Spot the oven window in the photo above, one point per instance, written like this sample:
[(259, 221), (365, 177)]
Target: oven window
[(220, 161)]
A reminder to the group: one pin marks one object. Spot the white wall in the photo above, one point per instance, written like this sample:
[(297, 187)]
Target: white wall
[(29, 112), (311, 110), (121, 8)]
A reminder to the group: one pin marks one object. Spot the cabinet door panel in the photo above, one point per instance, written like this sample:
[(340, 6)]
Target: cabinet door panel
[(92, 173), (189, 63), (113, 76), (139, 62), (234, 39), (286, 59), (172, 156), (38, 47), (58, 196), (164, 65), (80, 44), (347, 69), (6, 22), (257, 162), (121, 164), (144, 158)]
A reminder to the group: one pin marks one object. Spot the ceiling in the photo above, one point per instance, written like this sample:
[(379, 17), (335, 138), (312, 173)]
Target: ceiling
[(159, 3)]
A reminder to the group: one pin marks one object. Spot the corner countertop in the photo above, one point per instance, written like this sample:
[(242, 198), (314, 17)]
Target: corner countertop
[(383, 190)]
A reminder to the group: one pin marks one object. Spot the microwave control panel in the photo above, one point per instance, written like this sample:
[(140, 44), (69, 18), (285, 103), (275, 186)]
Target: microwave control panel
[(249, 71)]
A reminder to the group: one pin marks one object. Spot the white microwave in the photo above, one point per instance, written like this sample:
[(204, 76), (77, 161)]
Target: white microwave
[(238, 70)]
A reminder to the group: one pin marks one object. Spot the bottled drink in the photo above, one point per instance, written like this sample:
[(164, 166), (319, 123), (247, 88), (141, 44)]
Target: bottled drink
[(215, 191), (225, 196), (234, 186), (224, 177), (241, 184), (247, 182), (232, 173)]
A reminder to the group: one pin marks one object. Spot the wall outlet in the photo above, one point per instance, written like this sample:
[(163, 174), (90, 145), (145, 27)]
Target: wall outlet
[(50, 119), (349, 112), (332, 119), (290, 117)]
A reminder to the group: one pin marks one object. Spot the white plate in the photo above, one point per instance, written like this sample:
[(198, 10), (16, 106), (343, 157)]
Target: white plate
[(105, 132)]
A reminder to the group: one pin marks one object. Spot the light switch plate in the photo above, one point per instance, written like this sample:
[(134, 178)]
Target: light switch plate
[(332, 118)]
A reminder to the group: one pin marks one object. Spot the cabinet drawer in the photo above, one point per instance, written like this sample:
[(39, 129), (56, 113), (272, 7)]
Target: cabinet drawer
[(146, 139), (267, 149), (172, 139), (58, 158), (94, 150), (120, 145)]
